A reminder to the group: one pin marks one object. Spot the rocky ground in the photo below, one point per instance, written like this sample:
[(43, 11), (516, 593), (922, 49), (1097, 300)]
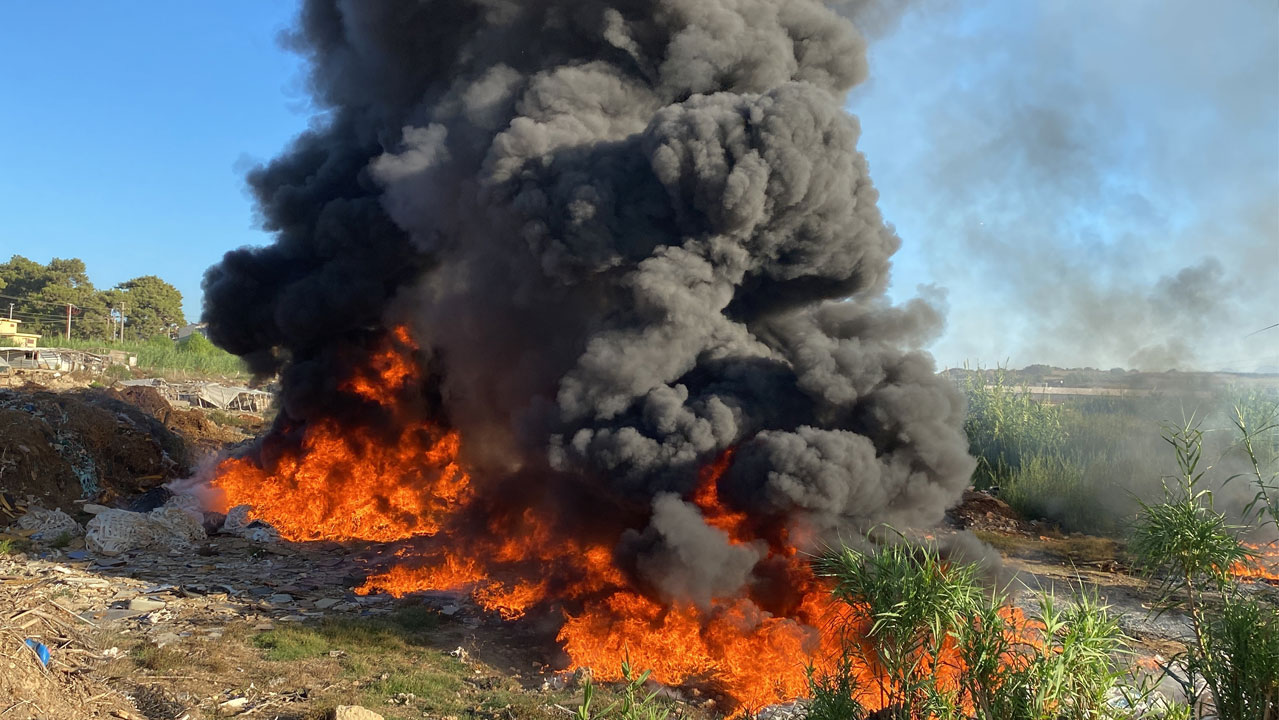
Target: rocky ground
[(231, 626)]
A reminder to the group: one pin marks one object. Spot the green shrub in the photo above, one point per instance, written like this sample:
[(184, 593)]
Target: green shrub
[(1187, 546), (905, 608), (1006, 426)]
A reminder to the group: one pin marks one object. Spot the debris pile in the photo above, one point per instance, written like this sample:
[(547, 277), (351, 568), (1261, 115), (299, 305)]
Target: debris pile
[(176, 525), (979, 510), (59, 447), (62, 446), (46, 657)]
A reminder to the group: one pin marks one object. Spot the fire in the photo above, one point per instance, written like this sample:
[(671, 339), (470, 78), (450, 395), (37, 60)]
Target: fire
[(1263, 566), (345, 483)]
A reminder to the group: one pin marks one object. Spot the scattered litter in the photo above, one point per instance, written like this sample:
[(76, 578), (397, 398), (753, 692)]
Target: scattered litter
[(172, 527), (238, 523), (142, 604), (41, 651), (354, 712), (49, 525), (234, 704)]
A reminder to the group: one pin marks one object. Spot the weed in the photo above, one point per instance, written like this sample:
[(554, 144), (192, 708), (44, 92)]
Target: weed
[(12, 546), (1232, 656), (635, 703), (158, 659), (925, 639)]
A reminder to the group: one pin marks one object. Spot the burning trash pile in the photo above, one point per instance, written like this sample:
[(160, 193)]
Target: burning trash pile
[(583, 304)]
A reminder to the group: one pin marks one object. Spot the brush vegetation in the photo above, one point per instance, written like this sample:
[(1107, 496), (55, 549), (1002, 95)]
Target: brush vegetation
[(1063, 462), (904, 606), (1230, 668), (194, 355)]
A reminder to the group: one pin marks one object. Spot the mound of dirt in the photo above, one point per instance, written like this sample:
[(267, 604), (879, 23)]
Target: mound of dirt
[(60, 447), (982, 511), (94, 442), (201, 434)]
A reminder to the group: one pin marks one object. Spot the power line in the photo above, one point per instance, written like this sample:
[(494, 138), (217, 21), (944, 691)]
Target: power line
[(33, 300), (1268, 327)]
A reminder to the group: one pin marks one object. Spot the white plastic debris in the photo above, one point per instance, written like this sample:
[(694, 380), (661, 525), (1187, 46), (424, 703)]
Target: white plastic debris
[(173, 526), (238, 523), (49, 525)]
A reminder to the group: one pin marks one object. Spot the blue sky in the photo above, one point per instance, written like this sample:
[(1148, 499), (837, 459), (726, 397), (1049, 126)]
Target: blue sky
[(1088, 182), (126, 129)]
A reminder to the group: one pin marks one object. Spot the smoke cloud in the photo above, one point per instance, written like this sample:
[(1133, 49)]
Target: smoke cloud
[(1096, 183), (627, 237)]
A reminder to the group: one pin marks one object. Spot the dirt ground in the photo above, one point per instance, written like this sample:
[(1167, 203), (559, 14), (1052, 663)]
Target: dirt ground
[(101, 444), (233, 627)]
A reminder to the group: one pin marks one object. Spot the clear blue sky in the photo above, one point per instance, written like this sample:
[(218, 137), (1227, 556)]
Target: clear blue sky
[(125, 129), (1070, 173)]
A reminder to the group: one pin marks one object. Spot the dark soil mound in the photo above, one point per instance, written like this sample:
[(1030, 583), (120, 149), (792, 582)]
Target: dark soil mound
[(63, 446), (982, 511)]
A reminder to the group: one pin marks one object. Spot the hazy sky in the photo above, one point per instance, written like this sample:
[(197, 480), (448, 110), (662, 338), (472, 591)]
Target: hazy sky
[(1084, 182)]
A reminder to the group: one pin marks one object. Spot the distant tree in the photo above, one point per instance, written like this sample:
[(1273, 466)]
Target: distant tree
[(40, 294), (151, 306)]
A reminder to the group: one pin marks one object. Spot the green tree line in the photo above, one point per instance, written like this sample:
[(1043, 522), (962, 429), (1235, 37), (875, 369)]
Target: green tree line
[(39, 295)]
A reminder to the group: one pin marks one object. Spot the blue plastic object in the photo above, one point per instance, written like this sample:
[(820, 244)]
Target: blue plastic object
[(42, 652)]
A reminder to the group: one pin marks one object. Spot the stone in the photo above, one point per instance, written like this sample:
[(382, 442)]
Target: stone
[(326, 603), (280, 599), (143, 604), (354, 712)]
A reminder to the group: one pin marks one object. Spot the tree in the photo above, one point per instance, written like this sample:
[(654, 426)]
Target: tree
[(151, 306), (40, 294)]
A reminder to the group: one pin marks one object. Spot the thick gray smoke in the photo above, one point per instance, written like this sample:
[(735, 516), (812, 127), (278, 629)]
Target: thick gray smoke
[(1096, 183), (628, 236)]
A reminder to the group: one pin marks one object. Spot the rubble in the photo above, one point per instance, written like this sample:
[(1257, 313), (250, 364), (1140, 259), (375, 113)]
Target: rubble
[(354, 712), (48, 525), (113, 532)]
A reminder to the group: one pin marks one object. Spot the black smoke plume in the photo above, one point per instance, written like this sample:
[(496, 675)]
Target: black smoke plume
[(627, 235)]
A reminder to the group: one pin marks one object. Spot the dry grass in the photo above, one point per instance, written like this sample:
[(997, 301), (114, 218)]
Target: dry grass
[(1071, 549), (63, 690)]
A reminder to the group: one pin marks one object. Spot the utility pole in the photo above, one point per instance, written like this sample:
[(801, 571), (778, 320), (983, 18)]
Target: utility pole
[(68, 321), (10, 311)]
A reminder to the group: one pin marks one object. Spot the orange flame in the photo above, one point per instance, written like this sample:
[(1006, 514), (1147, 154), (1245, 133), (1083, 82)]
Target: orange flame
[(345, 483), (1262, 566)]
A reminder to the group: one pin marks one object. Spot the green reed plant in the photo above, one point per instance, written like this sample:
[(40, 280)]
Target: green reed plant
[(906, 606), (1006, 426), (635, 703), (1230, 669), (1256, 419)]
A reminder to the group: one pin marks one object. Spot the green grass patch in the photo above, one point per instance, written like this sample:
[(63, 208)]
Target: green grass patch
[(389, 656), (13, 546), (194, 355), (292, 643)]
